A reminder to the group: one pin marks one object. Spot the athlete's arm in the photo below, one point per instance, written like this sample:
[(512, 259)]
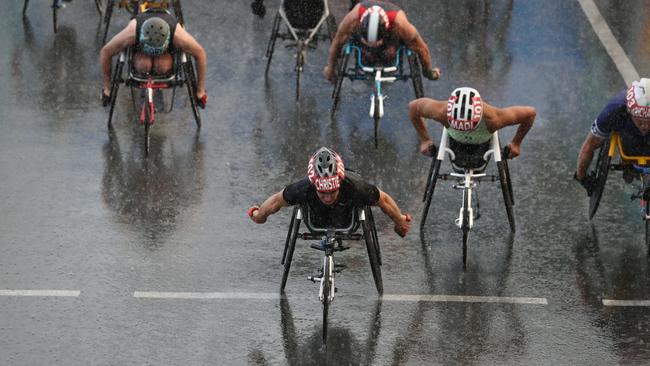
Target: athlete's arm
[(390, 208), (122, 40), (272, 205), (591, 143), (407, 33), (184, 41), (344, 32), (523, 116), (422, 108)]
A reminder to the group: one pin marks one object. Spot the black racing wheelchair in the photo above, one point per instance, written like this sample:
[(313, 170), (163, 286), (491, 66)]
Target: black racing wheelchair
[(389, 72), (331, 241), (469, 163), (134, 7), (637, 167), (58, 4), (183, 73), (303, 20)]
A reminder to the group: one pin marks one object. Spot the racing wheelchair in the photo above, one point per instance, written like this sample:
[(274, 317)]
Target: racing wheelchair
[(639, 166), (135, 7), (331, 241), (378, 74), (303, 20), (183, 73), (468, 170), (58, 4)]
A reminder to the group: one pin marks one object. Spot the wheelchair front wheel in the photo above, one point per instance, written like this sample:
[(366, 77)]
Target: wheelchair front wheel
[(327, 288), (373, 257), (292, 237), (376, 119), (601, 170), (505, 190), (465, 226), (300, 60)]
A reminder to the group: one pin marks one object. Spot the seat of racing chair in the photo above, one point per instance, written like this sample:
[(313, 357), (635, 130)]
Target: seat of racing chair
[(304, 14), (469, 156)]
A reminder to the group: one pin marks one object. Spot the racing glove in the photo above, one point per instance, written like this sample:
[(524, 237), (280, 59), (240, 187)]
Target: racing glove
[(587, 182), (431, 74), (258, 8), (402, 230), (203, 101), (106, 99)]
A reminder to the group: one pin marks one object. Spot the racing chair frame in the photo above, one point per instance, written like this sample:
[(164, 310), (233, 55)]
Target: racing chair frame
[(182, 73), (378, 74), (639, 164), (300, 38), (468, 171)]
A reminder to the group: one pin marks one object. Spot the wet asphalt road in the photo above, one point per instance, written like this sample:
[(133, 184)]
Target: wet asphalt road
[(84, 210)]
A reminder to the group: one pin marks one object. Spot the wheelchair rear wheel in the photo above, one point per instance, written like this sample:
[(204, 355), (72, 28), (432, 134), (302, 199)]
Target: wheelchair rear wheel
[(647, 226), (331, 27), (25, 7), (428, 191), (108, 12), (371, 246), (116, 80), (416, 75), (601, 170), (271, 45), (190, 81), (504, 158), (292, 237), (505, 190), (99, 5), (340, 76), (371, 221), (178, 11), (286, 242)]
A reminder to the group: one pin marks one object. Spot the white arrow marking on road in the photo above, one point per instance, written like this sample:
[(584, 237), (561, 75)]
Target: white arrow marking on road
[(207, 295)]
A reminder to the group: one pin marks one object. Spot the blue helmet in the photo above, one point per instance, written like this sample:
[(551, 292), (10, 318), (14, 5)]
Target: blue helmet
[(154, 36)]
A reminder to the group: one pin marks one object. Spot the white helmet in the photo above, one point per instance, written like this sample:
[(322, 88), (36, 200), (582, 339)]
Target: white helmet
[(464, 109), (638, 99)]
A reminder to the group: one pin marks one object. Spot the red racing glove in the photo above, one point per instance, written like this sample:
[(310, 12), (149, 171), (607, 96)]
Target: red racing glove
[(402, 230)]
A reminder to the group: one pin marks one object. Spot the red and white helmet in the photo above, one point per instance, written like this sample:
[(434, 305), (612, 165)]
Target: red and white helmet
[(638, 99), (326, 170), (464, 109), (375, 24)]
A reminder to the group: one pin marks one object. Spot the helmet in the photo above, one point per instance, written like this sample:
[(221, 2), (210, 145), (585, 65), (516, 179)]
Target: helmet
[(464, 109), (638, 99), (374, 24), (326, 170), (154, 36)]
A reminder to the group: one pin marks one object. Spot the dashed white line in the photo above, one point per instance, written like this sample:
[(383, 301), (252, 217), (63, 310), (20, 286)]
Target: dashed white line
[(462, 298), (207, 295), (611, 302), (613, 48), (40, 293)]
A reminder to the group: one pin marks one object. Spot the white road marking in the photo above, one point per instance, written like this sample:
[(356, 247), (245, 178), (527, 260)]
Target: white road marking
[(610, 302), (474, 299), (386, 297), (207, 295), (40, 293), (614, 49)]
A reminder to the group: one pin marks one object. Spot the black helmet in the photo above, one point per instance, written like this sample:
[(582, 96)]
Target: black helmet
[(154, 36)]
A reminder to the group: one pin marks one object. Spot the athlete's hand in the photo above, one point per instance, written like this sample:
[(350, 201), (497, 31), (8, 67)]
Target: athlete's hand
[(513, 151), (404, 226), (330, 73), (202, 98), (258, 8), (106, 98), (253, 213), (587, 182), (432, 74)]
